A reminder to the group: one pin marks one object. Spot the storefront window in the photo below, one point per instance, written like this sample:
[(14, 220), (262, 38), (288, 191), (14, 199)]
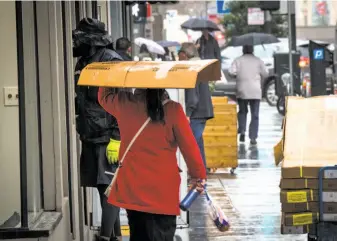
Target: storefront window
[(32, 110), (20, 168), (10, 208)]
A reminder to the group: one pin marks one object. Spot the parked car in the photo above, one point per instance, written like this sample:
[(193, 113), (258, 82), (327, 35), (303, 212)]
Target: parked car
[(264, 52)]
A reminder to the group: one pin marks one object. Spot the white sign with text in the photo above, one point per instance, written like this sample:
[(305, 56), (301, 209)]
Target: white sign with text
[(255, 16)]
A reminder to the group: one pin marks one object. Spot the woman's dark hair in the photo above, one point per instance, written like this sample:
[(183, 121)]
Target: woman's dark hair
[(153, 98), (154, 105), (144, 49)]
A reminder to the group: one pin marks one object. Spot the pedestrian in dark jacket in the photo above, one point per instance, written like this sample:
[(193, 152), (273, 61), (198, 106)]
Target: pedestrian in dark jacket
[(93, 124), (123, 48), (208, 47), (199, 107)]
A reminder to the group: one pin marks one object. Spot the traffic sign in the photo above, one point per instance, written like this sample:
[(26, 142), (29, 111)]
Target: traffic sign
[(255, 16), (318, 54), (135, 10), (221, 7), (139, 13)]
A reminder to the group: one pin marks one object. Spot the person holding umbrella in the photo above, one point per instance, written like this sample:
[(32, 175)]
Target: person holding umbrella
[(249, 71), (207, 45), (144, 53), (169, 55), (147, 48)]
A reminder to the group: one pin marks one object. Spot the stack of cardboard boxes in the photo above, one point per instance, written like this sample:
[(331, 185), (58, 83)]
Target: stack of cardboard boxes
[(220, 135), (309, 143)]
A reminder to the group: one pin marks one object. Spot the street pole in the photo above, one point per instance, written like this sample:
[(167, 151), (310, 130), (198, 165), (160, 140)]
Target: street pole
[(267, 23), (335, 53), (292, 43)]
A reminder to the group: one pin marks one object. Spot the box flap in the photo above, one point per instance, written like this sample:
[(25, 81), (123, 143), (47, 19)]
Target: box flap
[(150, 74), (278, 152), (311, 132)]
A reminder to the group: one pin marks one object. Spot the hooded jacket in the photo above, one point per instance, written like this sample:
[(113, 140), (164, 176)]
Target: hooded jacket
[(93, 123)]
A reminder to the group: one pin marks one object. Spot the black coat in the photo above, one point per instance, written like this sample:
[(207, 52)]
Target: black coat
[(95, 126), (209, 49), (93, 123)]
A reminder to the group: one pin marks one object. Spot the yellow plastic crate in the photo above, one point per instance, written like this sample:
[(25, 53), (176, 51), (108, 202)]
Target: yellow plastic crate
[(220, 136), (222, 118), (222, 99), (227, 108), (228, 151), (221, 140), (229, 130), (221, 162)]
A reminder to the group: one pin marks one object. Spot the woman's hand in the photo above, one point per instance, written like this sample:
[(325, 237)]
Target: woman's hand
[(200, 184)]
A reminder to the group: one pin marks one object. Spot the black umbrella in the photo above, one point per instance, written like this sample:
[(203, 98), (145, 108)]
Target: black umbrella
[(168, 44), (198, 24), (253, 39)]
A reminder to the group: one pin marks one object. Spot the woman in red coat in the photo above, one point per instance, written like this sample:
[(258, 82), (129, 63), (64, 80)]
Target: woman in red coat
[(148, 182)]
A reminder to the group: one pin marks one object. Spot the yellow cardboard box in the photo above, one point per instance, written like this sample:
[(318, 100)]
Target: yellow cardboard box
[(150, 74)]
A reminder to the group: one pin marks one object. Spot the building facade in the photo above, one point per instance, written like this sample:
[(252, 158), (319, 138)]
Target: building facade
[(40, 196), (316, 19)]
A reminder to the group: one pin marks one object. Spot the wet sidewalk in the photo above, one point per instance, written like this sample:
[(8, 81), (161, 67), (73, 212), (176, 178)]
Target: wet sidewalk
[(250, 198)]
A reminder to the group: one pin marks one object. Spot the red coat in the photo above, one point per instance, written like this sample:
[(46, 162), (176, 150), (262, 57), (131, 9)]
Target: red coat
[(149, 179)]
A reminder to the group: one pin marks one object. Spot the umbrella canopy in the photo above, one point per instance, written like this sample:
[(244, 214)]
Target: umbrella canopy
[(168, 44), (152, 46), (150, 74), (253, 39), (198, 24)]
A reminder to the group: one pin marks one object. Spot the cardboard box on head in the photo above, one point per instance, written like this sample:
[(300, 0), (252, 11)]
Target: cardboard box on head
[(150, 74)]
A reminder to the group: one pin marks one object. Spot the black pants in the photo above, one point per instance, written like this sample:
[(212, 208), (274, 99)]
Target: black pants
[(242, 117), (151, 227), (110, 225)]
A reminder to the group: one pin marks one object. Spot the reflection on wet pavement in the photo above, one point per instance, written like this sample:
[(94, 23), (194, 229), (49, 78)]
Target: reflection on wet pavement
[(250, 198)]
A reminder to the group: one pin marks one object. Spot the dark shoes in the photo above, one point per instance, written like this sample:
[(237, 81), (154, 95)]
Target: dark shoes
[(253, 142), (242, 138)]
